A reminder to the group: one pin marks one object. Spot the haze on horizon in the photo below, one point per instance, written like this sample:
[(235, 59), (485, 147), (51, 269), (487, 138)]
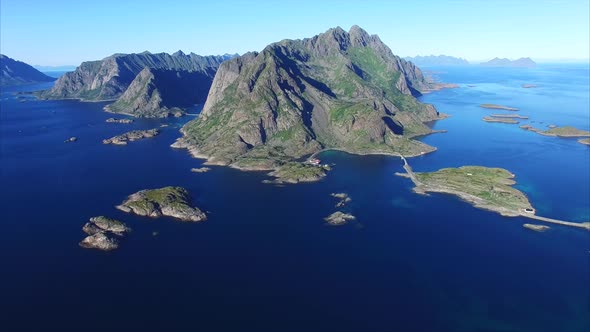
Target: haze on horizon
[(66, 32)]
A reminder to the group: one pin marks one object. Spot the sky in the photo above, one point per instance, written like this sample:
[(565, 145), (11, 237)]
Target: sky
[(65, 32)]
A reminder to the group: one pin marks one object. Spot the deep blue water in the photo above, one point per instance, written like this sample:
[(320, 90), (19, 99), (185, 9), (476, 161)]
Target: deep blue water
[(265, 260)]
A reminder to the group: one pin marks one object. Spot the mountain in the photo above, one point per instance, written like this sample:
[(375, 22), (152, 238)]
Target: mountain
[(437, 60), (497, 62), (342, 90), (144, 93), (15, 72)]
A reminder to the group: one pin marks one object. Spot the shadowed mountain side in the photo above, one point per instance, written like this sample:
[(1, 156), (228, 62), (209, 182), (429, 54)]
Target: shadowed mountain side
[(160, 93), (13, 72)]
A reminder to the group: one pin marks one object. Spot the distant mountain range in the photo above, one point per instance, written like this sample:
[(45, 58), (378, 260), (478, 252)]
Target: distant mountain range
[(498, 62), (437, 60), (54, 68), (142, 85), (339, 89), (13, 72)]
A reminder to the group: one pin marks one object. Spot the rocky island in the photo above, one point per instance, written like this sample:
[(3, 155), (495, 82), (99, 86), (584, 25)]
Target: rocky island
[(499, 120), (566, 131), (536, 228), (340, 90), (484, 187), (131, 136), (509, 116), (529, 86), (168, 201), (339, 218), (99, 230), (296, 172), (114, 120), (585, 141), (200, 170), (498, 107)]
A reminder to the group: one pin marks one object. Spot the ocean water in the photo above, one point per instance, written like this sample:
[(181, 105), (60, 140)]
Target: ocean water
[(265, 260)]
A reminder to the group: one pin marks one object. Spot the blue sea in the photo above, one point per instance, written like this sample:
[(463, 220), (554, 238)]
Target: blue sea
[(265, 260)]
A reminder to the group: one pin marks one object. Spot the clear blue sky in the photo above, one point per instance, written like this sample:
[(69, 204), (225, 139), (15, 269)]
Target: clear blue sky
[(63, 32)]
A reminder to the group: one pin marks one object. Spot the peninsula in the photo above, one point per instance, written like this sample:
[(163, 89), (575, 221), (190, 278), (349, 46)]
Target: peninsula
[(483, 187), (131, 136), (498, 107), (168, 201), (339, 89), (585, 141)]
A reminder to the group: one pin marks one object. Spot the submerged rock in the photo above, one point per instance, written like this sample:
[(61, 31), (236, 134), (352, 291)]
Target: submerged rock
[(71, 139), (167, 201)]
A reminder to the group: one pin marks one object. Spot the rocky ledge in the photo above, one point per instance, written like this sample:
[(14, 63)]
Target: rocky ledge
[(339, 218), (131, 136), (167, 201), (113, 120), (100, 230)]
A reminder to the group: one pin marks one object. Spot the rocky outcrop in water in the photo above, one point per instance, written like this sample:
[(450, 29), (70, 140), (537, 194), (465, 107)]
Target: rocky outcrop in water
[(113, 120), (339, 218), (339, 89), (13, 72), (167, 201), (100, 232), (131, 136)]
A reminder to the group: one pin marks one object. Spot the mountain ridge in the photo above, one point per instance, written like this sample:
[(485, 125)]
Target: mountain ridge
[(110, 78), (14, 72)]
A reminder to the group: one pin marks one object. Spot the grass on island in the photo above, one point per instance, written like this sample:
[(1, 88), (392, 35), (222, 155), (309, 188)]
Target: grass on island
[(567, 131), (492, 185), (298, 172), (167, 196)]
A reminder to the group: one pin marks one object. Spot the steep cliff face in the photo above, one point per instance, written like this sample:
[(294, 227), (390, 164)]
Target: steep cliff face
[(111, 78), (108, 79), (13, 72), (338, 89)]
